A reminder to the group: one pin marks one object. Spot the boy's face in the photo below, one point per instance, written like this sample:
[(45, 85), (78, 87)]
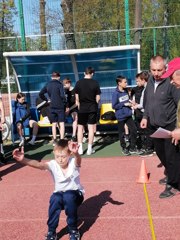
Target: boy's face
[(62, 157), (21, 100), (66, 85), (123, 83)]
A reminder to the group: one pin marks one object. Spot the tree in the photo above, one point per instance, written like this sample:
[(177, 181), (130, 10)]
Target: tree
[(7, 11), (42, 18), (68, 23)]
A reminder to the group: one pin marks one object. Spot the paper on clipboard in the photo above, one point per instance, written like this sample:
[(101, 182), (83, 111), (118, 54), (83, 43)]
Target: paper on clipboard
[(161, 133)]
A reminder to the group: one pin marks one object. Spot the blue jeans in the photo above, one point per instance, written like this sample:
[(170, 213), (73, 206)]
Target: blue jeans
[(68, 201)]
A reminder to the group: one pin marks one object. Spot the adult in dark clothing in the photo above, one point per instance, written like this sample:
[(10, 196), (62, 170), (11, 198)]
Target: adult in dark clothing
[(123, 112), (55, 91), (87, 93), (160, 111)]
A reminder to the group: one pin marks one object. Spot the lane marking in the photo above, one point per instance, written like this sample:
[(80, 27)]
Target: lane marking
[(149, 213)]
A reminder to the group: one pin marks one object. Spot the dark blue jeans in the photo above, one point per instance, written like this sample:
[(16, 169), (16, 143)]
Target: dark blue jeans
[(68, 201)]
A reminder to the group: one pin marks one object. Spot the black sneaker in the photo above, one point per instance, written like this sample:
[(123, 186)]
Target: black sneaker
[(125, 151), (163, 181), (74, 235), (51, 236), (133, 151), (2, 159), (74, 139), (169, 192), (147, 153)]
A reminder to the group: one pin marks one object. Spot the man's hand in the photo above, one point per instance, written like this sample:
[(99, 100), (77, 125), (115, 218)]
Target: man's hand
[(175, 136), (18, 155), (143, 123)]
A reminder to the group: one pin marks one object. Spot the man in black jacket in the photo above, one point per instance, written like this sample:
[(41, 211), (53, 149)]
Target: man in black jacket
[(160, 111)]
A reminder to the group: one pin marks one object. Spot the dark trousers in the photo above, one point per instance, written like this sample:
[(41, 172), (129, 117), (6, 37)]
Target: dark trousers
[(169, 155), (68, 201), (132, 129)]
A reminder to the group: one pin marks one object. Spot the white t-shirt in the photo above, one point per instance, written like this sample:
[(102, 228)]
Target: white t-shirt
[(68, 181)]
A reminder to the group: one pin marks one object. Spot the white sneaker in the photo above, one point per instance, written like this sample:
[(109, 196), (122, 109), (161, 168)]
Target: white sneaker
[(95, 139), (31, 142), (90, 151), (84, 140), (21, 142), (80, 151)]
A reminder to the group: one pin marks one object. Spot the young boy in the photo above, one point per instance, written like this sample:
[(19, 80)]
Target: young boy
[(68, 193), (123, 112), (71, 106)]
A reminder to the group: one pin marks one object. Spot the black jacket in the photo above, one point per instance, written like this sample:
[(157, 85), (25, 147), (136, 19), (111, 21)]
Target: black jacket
[(161, 104)]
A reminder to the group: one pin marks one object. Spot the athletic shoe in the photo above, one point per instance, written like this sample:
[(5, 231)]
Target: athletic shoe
[(95, 139), (90, 151), (21, 142), (31, 142), (163, 181), (84, 140), (80, 151), (126, 152), (147, 153), (51, 236), (74, 235), (133, 151), (54, 142), (74, 139), (169, 192)]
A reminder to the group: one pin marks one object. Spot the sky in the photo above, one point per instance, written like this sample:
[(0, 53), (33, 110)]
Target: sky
[(29, 15)]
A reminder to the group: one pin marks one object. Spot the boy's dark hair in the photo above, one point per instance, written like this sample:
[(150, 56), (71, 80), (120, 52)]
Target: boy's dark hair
[(56, 74), (67, 80), (144, 75), (119, 79), (137, 75), (20, 95), (89, 70)]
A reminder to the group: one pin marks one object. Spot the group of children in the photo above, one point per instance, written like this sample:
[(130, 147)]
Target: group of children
[(129, 109)]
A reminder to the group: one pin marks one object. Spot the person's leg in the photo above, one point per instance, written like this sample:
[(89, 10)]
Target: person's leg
[(55, 208), (92, 118), (82, 121), (133, 132), (72, 199), (75, 123), (121, 131), (62, 129), (54, 126), (33, 124), (20, 132)]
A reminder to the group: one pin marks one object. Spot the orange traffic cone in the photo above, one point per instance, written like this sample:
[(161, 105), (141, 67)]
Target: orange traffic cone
[(143, 176)]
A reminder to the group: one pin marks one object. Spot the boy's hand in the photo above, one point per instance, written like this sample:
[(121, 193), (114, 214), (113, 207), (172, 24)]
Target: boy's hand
[(18, 154), (73, 146)]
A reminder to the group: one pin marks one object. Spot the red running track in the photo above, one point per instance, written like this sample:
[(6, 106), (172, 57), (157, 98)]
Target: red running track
[(114, 206)]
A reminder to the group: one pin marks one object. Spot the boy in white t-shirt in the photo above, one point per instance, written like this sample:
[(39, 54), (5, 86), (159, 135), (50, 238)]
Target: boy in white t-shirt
[(68, 192)]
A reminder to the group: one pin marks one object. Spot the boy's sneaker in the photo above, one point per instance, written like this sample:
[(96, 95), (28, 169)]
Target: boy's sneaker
[(74, 235), (84, 140), (51, 236), (126, 152), (80, 151), (147, 153), (31, 142), (74, 139), (21, 142), (133, 151), (90, 151), (54, 142)]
